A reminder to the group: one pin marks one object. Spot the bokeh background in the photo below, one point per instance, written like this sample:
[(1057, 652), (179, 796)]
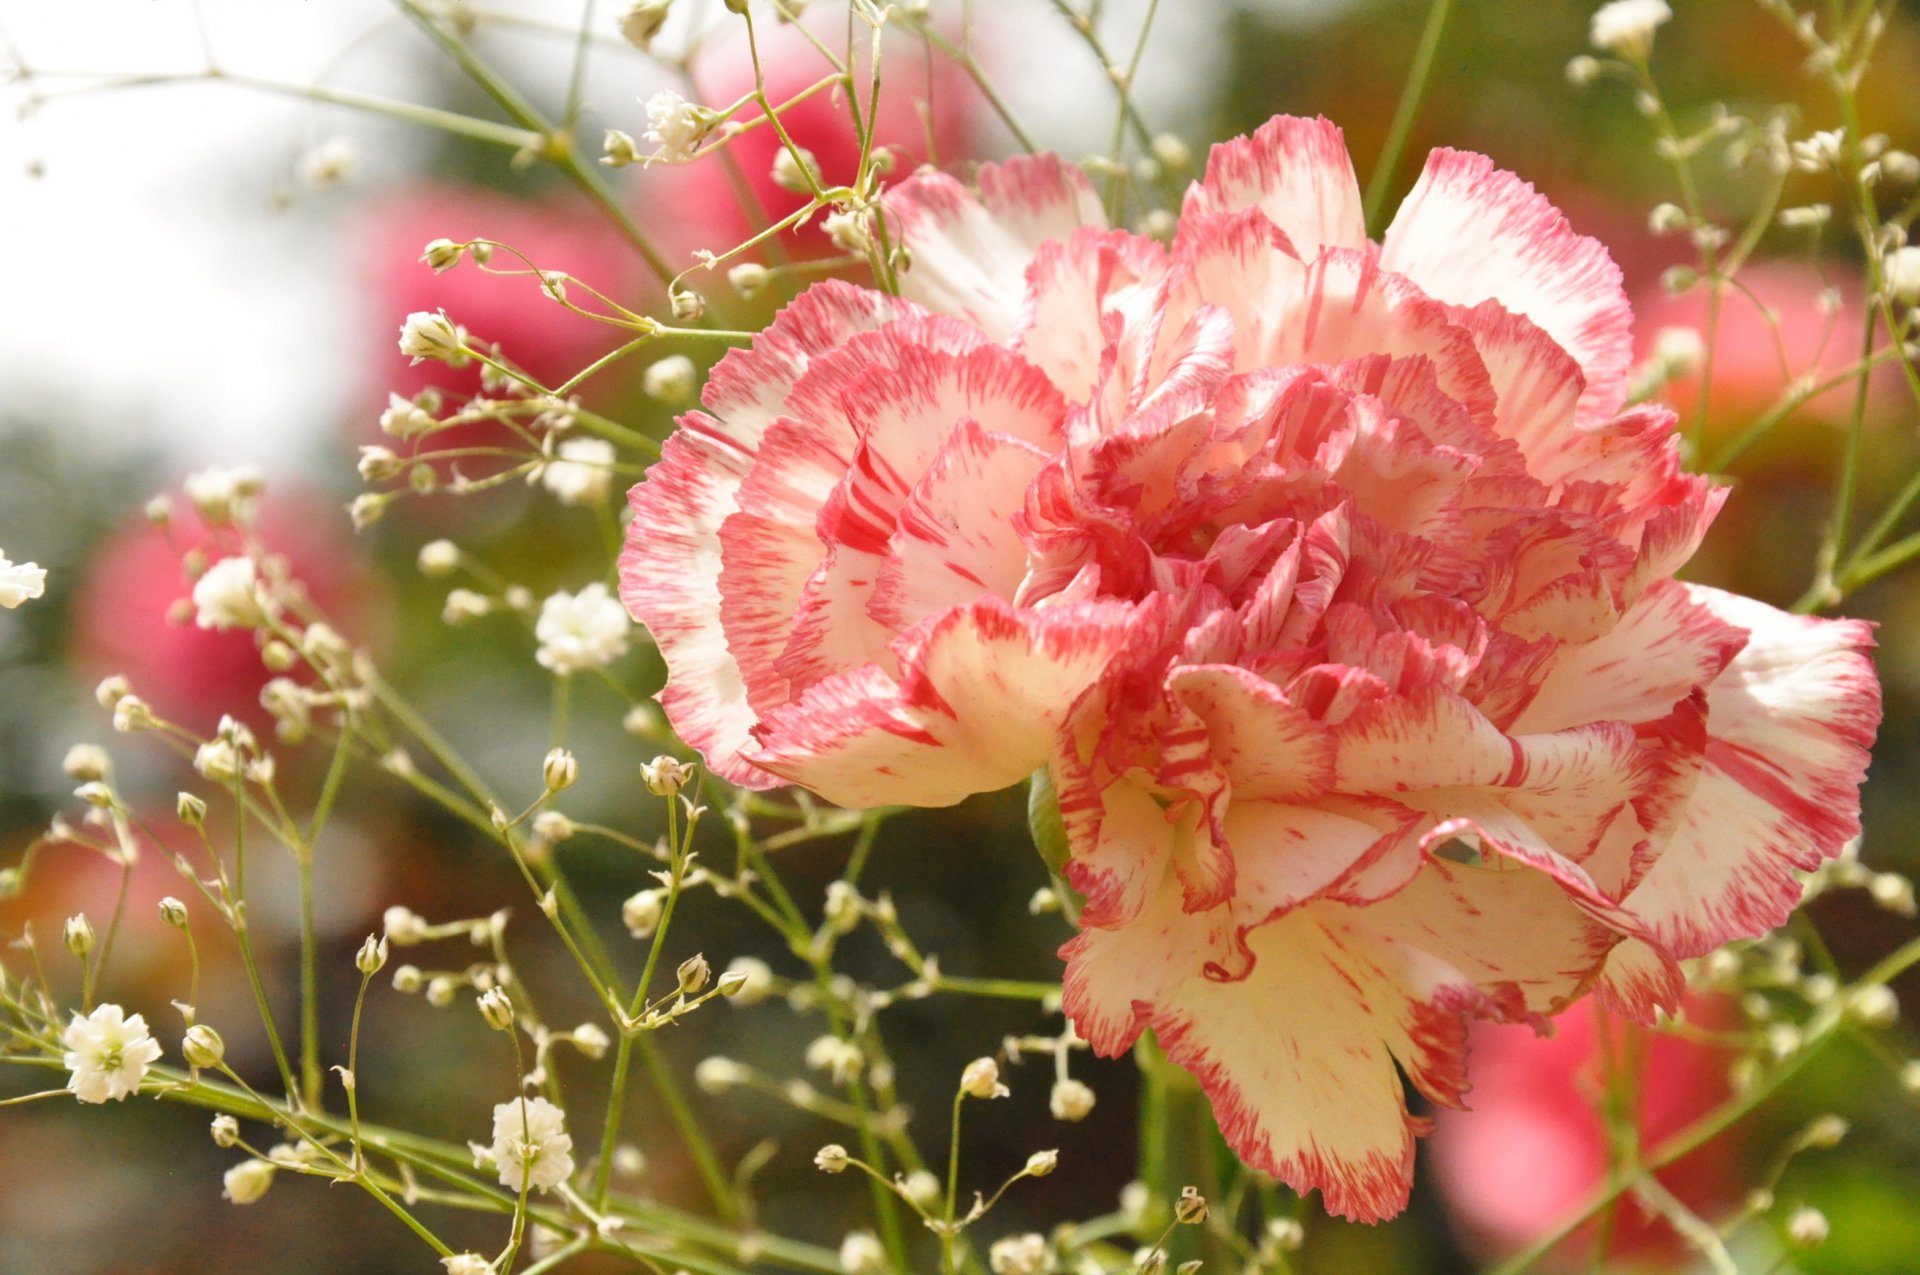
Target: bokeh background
[(179, 290)]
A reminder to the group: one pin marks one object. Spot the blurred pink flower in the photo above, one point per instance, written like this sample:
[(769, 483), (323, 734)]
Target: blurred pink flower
[(1755, 361), (704, 203), (192, 675), (1533, 1145), (1327, 579), (536, 334)]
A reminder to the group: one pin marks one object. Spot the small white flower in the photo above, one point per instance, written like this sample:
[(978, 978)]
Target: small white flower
[(591, 1041), (641, 913), (404, 418), (431, 335), (791, 173), (333, 162), (670, 380), (1679, 350), (676, 125), (1819, 151), (582, 475), (1070, 1100), (223, 493), (1626, 27), (981, 1079), (228, 596), (850, 231), (861, 1254), (749, 278), (1807, 1227), (756, 979), (642, 21), (581, 631), (717, 1075), (467, 1264), (439, 558), (531, 1145), (1018, 1255), (108, 1053), (20, 582), (247, 1181), (1903, 275)]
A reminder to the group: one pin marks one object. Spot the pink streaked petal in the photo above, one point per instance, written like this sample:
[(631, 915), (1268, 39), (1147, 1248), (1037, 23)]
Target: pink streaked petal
[(1121, 843), (1665, 645), (904, 414), (1469, 232), (970, 255), (1638, 979), (669, 574), (1299, 1058), (955, 536), (1270, 749), (1286, 855), (1116, 975), (1073, 286), (983, 692), (1431, 739), (1298, 173), (748, 388), (1790, 722), (770, 549)]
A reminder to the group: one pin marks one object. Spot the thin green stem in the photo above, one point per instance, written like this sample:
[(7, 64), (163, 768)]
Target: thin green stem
[(1405, 113)]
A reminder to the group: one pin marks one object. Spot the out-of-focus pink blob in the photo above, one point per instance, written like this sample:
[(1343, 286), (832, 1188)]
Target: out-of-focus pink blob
[(192, 675), (1533, 1146), (544, 339), (706, 204), (1756, 361)]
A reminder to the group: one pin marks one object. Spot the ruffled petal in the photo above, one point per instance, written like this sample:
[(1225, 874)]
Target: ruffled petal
[(670, 582), (1302, 1058), (1789, 725), (1298, 173), (1469, 232), (983, 691), (968, 255)]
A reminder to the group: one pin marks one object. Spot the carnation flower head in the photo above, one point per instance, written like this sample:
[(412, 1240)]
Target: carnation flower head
[(108, 1052), (581, 631), (1331, 584), (531, 1146)]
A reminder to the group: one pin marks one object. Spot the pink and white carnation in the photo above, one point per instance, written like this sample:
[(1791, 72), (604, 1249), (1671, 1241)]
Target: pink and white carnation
[(1328, 578)]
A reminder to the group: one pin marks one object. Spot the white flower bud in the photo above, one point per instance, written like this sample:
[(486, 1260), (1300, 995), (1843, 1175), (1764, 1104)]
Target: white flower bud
[(1191, 1208), (497, 1008), (687, 305), (1070, 1100), (87, 763), (440, 991), (1874, 1006), (671, 380), (173, 912), (1041, 1163), (403, 926), (755, 980), (1625, 27), (228, 596), (749, 279), (95, 794), (861, 1254), (694, 974), (981, 1079), (225, 1131), (372, 956), (560, 770), (1807, 1227), (591, 1041), (439, 558), (1902, 273), (379, 464), (467, 1264), (431, 336), (664, 776), (1018, 1255), (791, 173), (408, 979), (641, 913), (642, 21), (247, 1181), (78, 934), (404, 418), (831, 1158), (843, 907), (111, 691), (718, 1075), (551, 826), (202, 1046), (1287, 1234)]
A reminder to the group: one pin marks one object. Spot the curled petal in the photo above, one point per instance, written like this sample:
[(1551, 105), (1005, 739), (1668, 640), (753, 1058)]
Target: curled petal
[(1297, 172), (1469, 232)]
